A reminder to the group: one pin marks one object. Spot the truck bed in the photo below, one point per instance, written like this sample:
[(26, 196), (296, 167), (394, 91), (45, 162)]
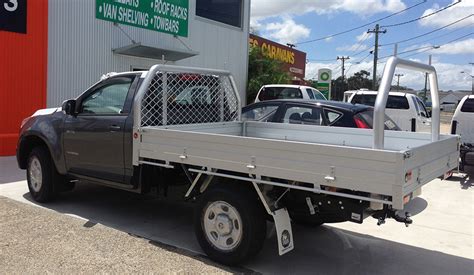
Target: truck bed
[(328, 156)]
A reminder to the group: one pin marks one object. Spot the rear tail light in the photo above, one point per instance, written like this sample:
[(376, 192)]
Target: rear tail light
[(189, 77), (360, 123), (408, 176)]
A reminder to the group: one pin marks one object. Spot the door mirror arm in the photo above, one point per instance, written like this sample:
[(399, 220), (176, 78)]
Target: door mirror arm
[(69, 107)]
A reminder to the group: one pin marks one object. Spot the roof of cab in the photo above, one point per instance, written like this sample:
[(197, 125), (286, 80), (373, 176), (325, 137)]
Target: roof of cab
[(376, 92), (325, 103), (287, 85)]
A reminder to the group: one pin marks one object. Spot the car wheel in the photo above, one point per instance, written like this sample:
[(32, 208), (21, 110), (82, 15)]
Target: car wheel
[(40, 175), (230, 224)]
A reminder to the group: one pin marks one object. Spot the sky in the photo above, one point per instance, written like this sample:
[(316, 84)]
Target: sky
[(300, 21)]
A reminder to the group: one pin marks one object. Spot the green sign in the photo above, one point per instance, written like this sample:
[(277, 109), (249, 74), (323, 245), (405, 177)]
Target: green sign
[(324, 82), (324, 90), (169, 16)]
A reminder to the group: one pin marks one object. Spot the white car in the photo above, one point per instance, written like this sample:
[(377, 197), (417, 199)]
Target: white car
[(407, 110), (287, 91), (463, 124)]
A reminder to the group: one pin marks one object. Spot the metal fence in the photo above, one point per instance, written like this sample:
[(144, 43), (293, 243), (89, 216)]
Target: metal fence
[(185, 98)]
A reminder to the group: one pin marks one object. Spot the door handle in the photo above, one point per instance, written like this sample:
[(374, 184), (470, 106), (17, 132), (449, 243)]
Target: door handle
[(114, 128)]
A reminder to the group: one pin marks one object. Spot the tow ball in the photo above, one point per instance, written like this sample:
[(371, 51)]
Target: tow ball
[(390, 213)]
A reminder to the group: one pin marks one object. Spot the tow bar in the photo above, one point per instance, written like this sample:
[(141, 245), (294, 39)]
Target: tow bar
[(390, 213)]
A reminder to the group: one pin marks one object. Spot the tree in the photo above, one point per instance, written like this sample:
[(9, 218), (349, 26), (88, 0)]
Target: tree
[(338, 87), (359, 80), (263, 70)]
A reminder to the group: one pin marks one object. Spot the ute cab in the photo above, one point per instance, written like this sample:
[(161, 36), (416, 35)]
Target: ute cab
[(287, 91), (407, 110), (463, 124)]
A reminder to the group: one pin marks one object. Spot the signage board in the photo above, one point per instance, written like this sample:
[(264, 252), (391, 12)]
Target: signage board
[(168, 16), (294, 61), (13, 15), (324, 82)]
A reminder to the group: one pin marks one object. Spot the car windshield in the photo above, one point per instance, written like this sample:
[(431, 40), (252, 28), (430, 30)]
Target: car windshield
[(269, 93), (368, 117)]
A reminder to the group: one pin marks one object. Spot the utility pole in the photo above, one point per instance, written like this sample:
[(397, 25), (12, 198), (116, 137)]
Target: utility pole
[(376, 31), (472, 78), (426, 81), (343, 58), (398, 80)]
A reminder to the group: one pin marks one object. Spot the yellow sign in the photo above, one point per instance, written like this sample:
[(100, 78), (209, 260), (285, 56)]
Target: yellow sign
[(274, 52)]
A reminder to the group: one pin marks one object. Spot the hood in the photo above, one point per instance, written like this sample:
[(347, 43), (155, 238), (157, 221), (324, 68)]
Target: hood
[(48, 111)]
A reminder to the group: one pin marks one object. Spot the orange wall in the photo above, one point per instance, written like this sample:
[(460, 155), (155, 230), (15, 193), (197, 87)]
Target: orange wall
[(23, 70)]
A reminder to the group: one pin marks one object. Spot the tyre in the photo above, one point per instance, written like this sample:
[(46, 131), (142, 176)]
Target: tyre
[(230, 224), (41, 175)]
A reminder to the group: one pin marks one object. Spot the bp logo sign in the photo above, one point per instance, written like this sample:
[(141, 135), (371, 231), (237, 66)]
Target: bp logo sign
[(324, 76), (324, 82)]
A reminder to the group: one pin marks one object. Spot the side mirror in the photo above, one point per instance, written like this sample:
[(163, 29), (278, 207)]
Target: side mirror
[(69, 107), (429, 113)]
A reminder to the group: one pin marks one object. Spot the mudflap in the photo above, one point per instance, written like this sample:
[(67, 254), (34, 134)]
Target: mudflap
[(283, 230)]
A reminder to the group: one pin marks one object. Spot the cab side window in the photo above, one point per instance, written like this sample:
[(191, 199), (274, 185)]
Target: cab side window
[(264, 113), (108, 99), (303, 115), (319, 95), (423, 111)]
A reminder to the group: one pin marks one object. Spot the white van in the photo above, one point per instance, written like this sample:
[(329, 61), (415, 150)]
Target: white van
[(463, 124), (407, 110), (348, 94), (288, 91)]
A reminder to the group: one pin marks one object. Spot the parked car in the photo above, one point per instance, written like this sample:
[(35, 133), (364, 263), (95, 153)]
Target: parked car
[(323, 113), (348, 94), (407, 110), (287, 91), (463, 124)]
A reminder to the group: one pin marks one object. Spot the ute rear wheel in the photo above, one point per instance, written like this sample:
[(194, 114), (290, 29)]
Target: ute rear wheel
[(41, 175), (230, 224)]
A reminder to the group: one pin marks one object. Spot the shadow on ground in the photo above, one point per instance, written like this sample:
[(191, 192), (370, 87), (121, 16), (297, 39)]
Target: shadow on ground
[(325, 250), (466, 179)]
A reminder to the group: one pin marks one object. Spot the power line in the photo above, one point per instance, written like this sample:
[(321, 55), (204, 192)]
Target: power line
[(358, 62), (321, 60), (360, 44), (362, 26), (427, 48), (363, 51), (436, 37), (424, 34), (449, 42), (422, 17)]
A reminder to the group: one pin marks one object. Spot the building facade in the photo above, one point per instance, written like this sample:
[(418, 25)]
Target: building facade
[(293, 60), (53, 50)]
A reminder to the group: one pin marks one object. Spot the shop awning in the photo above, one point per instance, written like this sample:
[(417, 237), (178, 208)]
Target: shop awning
[(139, 50)]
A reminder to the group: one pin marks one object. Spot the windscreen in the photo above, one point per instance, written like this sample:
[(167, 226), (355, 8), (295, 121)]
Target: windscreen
[(269, 93)]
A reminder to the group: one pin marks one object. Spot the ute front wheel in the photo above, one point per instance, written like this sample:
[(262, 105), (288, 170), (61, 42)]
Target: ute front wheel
[(40, 175)]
